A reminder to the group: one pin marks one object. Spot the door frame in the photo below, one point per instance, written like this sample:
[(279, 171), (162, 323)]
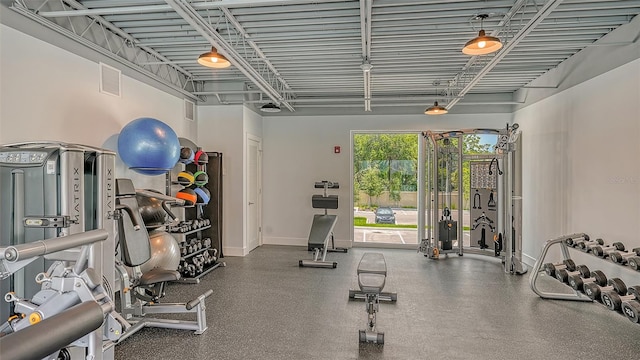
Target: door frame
[(249, 138), (420, 190)]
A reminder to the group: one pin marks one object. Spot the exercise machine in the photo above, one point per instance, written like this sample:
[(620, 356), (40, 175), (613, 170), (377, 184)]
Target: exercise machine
[(321, 238), (59, 303), (494, 191), (139, 293), (372, 275), (56, 189)]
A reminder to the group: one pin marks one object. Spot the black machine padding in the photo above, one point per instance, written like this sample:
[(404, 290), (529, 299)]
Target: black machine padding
[(134, 244), (157, 275), (324, 202), (320, 230), (52, 334)]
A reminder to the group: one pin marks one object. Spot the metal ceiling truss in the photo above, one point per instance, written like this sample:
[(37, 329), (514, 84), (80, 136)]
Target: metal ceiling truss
[(102, 36), (479, 66), (365, 29), (337, 53), (241, 51)]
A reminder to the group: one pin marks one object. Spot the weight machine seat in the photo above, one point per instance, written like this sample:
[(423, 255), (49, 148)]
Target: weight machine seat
[(372, 273), (372, 263), (321, 230), (371, 283), (157, 275)]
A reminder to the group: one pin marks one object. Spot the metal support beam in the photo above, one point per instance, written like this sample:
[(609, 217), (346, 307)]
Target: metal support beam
[(544, 11), (204, 28), (165, 73), (254, 46), (365, 33), (139, 9)]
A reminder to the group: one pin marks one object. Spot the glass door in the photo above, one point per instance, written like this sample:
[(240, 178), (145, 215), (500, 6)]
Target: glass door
[(385, 189)]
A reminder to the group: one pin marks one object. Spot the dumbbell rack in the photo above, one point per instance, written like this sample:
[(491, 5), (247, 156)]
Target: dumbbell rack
[(197, 247), (563, 243), (537, 269), (191, 232)]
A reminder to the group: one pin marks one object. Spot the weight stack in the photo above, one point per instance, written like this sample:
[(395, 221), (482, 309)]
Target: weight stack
[(447, 232)]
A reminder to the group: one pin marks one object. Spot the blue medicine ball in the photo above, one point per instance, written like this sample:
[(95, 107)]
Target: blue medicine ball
[(148, 146)]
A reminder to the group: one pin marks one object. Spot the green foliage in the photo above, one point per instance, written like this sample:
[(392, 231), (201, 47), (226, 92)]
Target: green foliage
[(359, 221), (371, 182), (393, 158), (395, 187)]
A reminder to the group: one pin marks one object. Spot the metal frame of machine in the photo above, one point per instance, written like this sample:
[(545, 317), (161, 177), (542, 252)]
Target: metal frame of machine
[(433, 149)]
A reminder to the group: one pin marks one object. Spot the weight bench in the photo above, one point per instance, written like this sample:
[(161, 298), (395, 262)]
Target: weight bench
[(321, 232), (372, 275), (372, 263)]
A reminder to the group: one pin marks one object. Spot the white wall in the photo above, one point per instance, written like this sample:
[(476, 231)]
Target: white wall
[(56, 97), (220, 128), (580, 162), (298, 151)]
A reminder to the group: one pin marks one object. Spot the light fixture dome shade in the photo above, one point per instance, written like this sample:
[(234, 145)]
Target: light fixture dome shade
[(270, 108), (482, 44), (213, 60), (436, 109)]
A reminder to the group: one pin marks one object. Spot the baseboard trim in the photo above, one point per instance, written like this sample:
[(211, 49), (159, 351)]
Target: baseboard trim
[(284, 241), (300, 242), (234, 251), (529, 260)]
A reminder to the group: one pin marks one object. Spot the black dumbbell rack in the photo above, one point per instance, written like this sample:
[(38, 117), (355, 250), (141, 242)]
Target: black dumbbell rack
[(199, 234), (568, 242)]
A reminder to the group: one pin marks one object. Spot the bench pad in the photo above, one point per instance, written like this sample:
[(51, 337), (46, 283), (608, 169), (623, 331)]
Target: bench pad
[(372, 263), (371, 283)]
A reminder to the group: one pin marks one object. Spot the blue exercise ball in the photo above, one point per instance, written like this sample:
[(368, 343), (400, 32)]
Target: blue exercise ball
[(148, 146)]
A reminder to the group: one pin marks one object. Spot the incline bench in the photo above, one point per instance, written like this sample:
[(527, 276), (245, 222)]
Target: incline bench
[(372, 275)]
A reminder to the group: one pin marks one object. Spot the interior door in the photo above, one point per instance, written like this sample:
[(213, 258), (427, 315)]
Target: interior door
[(253, 192)]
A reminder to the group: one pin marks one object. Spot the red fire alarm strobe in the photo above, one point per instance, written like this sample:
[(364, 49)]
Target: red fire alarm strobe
[(336, 149)]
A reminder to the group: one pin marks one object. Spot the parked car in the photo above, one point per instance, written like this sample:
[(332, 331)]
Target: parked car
[(384, 215)]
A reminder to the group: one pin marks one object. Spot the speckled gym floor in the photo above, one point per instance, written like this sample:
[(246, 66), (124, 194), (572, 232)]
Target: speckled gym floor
[(265, 307)]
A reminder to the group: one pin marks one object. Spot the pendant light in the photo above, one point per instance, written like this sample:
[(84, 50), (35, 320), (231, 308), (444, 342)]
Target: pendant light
[(436, 109), (270, 108), (213, 60), (482, 44)]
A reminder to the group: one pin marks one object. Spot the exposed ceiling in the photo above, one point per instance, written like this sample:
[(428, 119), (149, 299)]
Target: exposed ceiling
[(333, 56)]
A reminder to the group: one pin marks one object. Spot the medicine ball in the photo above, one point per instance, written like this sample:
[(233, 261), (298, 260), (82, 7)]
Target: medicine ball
[(186, 155), (188, 195), (201, 157), (201, 178), (203, 195), (186, 178)]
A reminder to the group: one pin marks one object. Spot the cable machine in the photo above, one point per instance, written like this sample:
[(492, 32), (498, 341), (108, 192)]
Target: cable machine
[(493, 215)]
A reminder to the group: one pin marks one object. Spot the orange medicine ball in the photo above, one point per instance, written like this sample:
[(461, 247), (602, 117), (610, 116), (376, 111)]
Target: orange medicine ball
[(188, 195)]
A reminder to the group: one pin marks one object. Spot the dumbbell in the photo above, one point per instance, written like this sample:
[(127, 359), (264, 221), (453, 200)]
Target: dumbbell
[(593, 290), (574, 242), (581, 271), (634, 262), (586, 246), (613, 300), (631, 309), (551, 268), (577, 282), (604, 251), (191, 270), (621, 258), (206, 242)]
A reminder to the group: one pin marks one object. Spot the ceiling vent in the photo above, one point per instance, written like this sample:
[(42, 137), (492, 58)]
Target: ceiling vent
[(110, 80)]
